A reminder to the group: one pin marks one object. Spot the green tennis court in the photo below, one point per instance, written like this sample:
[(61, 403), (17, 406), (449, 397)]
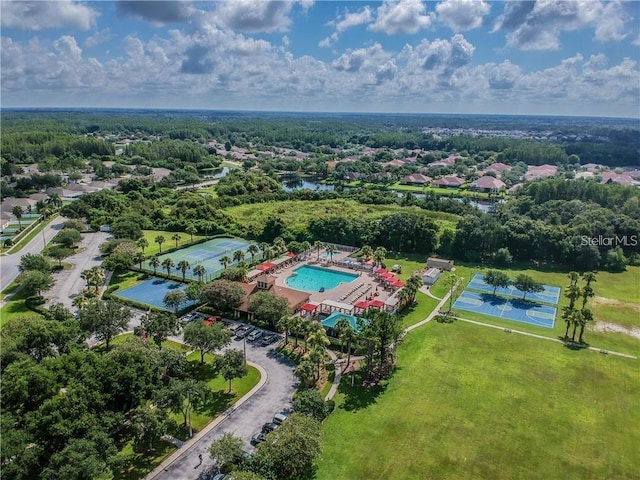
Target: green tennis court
[(207, 254)]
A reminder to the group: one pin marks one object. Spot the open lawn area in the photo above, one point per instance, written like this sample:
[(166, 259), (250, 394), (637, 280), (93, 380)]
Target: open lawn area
[(472, 403), (139, 462), (297, 214), (616, 301), (169, 243), (15, 306)]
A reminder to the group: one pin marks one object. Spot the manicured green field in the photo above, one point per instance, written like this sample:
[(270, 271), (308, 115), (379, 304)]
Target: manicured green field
[(617, 301), (169, 243), (297, 214), (471, 403)]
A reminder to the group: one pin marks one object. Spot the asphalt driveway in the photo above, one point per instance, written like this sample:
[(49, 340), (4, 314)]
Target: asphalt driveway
[(246, 420)]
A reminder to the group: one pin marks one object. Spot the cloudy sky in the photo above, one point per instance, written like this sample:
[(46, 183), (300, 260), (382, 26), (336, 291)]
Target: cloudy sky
[(576, 57)]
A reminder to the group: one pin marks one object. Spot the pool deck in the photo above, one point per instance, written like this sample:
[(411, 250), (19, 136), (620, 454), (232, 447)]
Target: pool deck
[(338, 293)]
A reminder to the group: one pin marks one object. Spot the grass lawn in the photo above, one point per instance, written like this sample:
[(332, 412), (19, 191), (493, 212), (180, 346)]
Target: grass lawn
[(168, 244), (15, 307), (418, 311), (126, 279), (617, 301), (471, 403), (297, 214), (139, 462)]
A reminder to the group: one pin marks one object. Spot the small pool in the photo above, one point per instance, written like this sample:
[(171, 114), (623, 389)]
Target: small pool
[(151, 292), (314, 279), (335, 317)]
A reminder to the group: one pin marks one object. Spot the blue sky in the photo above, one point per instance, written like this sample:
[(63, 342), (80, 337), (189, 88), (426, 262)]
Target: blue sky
[(576, 57)]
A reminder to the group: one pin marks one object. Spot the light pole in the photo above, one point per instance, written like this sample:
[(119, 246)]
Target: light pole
[(244, 347), (44, 240)]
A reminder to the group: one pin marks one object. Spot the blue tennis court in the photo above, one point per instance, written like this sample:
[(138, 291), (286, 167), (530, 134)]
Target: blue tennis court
[(151, 292), (509, 308), (549, 295)]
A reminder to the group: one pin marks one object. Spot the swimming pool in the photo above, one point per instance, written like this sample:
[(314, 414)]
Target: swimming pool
[(313, 279), (335, 317)]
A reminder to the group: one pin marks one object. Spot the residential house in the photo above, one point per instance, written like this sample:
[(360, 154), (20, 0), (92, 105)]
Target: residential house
[(619, 178), (416, 179), (488, 184), (535, 172), (449, 181)]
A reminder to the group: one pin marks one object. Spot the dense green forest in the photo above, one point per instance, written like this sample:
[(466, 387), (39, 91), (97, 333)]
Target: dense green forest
[(611, 142)]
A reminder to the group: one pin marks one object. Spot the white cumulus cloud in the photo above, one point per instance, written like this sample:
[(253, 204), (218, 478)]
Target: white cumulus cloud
[(461, 15), (402, 17), (41, 15), (345, 22), (255, 15)]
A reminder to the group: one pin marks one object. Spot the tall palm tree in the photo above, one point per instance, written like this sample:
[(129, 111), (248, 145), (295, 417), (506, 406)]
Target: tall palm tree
[(159, 240), (191, 230), (452, 283), (238, 256), (183, 265), (316, 356), (225, 261), (318, 246), (572, 292), (264, 246), (573, 276), (295, 327), (587, 316), (567, 316), (285, 323), (200, 271), (380, 254), (404, 297), (94, 277), (316, 335), (253, 249), (576, 320), (412, 286), (367, 252), (279, 245), (17, 212), (139, 258), (176, 237), (331, 249), (54, 200), (340, 327), (155, 263), (587, 293), (589, 277), (142, 243), (306, 246), (168, 264)]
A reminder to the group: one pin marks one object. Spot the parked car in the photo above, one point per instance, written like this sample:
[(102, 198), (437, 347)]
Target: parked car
[(220, 476), (254, 335), (258, 438), (243, 331), (233, 326), (279, 417), (268, 339), (269, 427)]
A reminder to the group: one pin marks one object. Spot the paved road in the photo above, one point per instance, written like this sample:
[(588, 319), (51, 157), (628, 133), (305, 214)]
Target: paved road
[(9, 263), (68, 282), (276, 394)]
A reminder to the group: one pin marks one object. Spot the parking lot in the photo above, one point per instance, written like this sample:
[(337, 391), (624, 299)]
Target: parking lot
[(274, 396)]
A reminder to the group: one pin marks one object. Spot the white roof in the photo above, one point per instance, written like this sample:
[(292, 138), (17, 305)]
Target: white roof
[(340, 305), (254, 273), (279, 261)]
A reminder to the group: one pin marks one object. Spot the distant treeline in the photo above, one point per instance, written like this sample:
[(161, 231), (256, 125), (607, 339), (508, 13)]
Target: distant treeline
[(607, 141)]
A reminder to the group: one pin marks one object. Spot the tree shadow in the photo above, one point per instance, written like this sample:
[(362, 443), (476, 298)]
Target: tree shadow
[(360, 396), (573, 345), (216, 403), (204, 372)]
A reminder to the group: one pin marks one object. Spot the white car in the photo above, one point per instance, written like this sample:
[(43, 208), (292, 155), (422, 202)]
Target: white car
[(254, 335)]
